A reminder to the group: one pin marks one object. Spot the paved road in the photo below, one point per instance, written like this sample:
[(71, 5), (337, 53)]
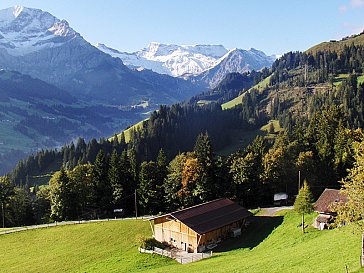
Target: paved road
[(272, 211)]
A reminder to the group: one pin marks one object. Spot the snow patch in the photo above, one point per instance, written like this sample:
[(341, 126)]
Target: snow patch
[(17, 10)]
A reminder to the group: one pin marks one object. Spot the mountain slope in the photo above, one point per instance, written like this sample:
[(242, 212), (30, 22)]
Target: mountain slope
[(38, 44), (236, 60), (338, 46), (36, 115)]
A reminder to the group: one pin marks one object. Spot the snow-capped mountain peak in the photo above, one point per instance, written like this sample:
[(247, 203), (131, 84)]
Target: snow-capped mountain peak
[(192, 60), (171, 59), (24, 30), (17, 10)]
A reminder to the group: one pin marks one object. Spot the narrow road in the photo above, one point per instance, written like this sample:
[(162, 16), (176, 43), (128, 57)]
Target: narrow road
[(55, 224), (272, 211)]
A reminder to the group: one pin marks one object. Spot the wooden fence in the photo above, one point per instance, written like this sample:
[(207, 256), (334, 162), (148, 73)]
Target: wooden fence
[(180, 256)]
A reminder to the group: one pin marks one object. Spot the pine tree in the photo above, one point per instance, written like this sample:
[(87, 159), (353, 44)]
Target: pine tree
[(6, 191), (162, 165), (304, 203), (114, 176), (103, 190), (60, 196), (204, 155), (127, 182), (132, 155), (150, 188)]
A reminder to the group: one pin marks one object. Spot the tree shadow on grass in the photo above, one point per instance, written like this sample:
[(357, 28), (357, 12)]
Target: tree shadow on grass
[(259, 229)]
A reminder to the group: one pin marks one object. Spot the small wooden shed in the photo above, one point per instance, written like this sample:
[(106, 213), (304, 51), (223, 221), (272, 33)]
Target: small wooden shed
[(194, 229), (324, 205)]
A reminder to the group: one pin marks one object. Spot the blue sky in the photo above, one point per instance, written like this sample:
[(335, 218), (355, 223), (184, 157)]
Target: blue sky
[(272, 26)]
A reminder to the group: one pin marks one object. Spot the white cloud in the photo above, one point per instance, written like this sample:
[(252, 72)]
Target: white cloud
[(357, 3), (343, 9)]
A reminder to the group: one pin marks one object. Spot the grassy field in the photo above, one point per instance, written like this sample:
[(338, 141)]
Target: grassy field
[(341, 77), (102, 247), (236, 101), (4, 229), (241, 138), (270, 244), (361, 79)]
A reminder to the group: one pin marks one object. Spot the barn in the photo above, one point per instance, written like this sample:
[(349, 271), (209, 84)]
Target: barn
[(324, 206), (196, 228)]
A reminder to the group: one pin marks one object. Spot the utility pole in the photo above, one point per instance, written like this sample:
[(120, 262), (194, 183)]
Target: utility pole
[(135, 204), (299, 181), (2, 213), (306, 69), (362, 255)]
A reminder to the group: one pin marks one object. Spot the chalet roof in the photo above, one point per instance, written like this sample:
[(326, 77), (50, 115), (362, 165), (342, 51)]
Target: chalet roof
[(328, 197), (211, 215)]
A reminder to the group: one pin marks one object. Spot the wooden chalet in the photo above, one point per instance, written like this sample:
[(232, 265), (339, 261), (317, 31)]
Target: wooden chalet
[(196, 228), (324, 206)]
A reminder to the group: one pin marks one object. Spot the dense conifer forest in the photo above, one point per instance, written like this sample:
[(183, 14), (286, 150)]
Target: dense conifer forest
[(172, 161)]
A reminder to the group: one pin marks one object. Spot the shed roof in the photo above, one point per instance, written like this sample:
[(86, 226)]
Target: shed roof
[(322, 218), (211, 215), (328, 197)]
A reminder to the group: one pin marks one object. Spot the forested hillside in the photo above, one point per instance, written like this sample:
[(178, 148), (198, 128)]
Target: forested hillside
[(171, 160)]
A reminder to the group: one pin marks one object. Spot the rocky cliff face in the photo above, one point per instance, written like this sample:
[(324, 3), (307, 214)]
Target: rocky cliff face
[(236, 60)]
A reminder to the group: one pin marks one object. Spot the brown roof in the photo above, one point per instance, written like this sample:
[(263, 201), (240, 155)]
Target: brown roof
[(211, 215), (322, 218), (328, 197)]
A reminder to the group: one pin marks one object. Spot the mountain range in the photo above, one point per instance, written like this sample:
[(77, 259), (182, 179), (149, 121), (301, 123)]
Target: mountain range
[(51, 77), (36, 43), (207, 64)]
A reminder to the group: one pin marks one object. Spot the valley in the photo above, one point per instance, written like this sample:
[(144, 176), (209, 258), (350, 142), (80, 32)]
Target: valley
[(205, 139), (53, 80)]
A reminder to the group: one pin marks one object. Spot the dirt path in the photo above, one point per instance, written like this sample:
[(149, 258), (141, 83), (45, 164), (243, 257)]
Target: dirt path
[(272, 211)]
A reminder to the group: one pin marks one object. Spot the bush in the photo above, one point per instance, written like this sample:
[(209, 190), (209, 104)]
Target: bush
[(149, 243)]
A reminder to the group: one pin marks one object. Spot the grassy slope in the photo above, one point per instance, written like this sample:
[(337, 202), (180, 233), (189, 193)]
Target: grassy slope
[(127, 132), (242, 138), (267, 246), (104, 247), (361, 79), (236, 101), (338, 45)]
